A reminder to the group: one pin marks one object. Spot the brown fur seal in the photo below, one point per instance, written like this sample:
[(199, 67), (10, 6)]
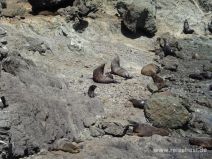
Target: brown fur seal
[(66, 146), (210, 26), (91, 89), (99, 77), (186, 28), (3, 102), (138, 103), (144, 130), (150, 69), (160, 82), (47, 13), (117, 70), (167, 49), (204, 142)]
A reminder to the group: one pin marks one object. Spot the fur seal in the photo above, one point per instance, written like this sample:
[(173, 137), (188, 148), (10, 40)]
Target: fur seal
[(3, 102), (210, 87), (150, 69), (47, 13), (167, 49), (91, 89), (145, 130), (138, 103), (160, 82), (204, 142), (117, 70), (186, 28), (201, 76), (66, 146), (99, 77), (210, 26)]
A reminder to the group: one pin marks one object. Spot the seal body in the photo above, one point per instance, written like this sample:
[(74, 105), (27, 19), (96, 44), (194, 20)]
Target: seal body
[(91, 90), (118, 70), (167, 49), (186, 28), (99, 77), (160, 82), (144, 130), (66, 146), (204, 142), (150, 69), (138, 103), (210, 26)]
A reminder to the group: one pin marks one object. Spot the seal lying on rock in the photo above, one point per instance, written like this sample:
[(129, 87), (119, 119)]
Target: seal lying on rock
[(138, 103), (91, 89), (201, 76), (186, 28), (66, 146), (117, 70), (159, 82), (204, 142), (3, 102), (145, 130), (99, 77), (150, 69)]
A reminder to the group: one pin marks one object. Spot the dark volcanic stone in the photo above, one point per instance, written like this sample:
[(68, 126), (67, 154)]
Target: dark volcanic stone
[(138, 16), (39, 5)]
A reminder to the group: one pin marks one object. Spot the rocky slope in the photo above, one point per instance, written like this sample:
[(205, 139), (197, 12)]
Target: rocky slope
[(47, 61)]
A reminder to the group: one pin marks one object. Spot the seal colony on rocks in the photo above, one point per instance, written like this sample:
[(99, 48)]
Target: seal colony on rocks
[(116, 69), (100, 77)]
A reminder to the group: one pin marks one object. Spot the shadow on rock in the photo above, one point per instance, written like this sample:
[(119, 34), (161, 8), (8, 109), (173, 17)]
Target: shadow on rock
[(129, 34), (80, 26)]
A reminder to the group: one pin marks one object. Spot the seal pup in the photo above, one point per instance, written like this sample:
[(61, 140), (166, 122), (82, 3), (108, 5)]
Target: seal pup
[(150, 69), (210, 26), (204, 142), (91, 90), (117, 70), (186, 28), (167, 49), (145, 130), (159, 82), (138, 103), (66, 146), (3, 103), (99, 77)]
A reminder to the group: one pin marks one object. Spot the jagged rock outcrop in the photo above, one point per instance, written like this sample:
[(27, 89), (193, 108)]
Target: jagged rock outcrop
[(41, 108), (138, 15)]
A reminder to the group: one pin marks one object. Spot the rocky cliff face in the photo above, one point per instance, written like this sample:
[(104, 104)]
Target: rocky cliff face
[(48, 51)]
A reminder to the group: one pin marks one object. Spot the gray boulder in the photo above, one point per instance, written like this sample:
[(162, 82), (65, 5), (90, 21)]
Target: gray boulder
[(166, 111), (140, 15), (116, 128)]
